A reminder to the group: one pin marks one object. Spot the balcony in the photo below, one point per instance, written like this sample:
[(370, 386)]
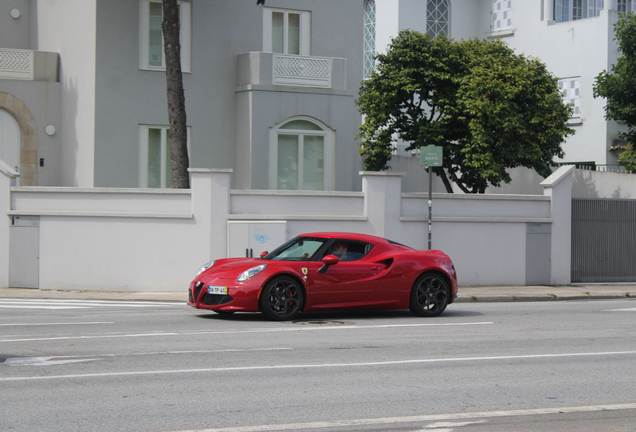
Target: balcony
[(28, 65), (264, 68)]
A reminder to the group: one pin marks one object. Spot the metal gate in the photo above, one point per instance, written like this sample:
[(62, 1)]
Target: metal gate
[(603, 240)]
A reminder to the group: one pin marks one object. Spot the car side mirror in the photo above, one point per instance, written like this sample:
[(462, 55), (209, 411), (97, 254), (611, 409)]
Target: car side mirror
[(263, 254), (327, 261)]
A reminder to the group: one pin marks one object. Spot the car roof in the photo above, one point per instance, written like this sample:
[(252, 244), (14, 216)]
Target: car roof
[(347, 235)]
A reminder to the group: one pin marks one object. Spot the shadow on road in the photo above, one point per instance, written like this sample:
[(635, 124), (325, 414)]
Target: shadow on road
[(340, 316)]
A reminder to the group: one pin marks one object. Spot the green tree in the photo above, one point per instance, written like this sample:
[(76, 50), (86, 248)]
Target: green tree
[(176, 99), (489, 108), (619, 86)]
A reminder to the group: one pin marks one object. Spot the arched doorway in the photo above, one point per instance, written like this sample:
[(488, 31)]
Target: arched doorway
[(14, 112), (9, 140)]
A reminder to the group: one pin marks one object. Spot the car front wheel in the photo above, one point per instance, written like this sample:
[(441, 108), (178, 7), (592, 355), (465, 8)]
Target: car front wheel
[(429, 296), (281, 299)]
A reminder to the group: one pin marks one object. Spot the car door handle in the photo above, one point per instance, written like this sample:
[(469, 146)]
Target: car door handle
[(375, 267)]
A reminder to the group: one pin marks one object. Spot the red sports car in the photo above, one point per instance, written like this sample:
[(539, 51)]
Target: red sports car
[(328, 271)]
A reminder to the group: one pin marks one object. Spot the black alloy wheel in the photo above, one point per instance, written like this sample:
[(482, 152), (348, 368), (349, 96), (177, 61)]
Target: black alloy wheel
[(429, 296), (281, 299)]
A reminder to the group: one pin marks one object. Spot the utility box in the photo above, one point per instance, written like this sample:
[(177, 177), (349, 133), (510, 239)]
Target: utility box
[(250, 238), (24, 252)]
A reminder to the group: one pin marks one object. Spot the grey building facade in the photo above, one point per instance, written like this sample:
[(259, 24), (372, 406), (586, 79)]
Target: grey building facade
[(270, 91)]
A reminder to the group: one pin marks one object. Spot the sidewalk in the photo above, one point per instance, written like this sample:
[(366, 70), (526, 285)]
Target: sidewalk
[(466, 294)]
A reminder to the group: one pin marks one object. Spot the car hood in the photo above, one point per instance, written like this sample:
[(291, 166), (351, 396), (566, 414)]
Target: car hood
[(231, 267)]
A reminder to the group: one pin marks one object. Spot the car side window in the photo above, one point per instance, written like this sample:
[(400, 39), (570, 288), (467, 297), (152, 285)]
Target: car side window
[(349, 250)]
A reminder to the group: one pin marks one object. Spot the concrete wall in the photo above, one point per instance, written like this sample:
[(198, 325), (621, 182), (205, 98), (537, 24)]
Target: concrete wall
[(68, 27), (595, 184), (15, 33), (141, 239)]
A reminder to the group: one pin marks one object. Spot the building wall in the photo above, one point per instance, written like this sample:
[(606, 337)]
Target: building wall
[(15, 33), (127, 97), (68, 27), (581, 48)]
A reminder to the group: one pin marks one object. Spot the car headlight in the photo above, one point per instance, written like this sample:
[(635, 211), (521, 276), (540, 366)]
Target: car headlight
[(205, 267), (251, 272)]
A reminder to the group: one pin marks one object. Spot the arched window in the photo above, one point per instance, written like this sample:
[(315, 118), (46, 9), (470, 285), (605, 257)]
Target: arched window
[(369, 37), (9, 140), (437, 18), (302, 156)]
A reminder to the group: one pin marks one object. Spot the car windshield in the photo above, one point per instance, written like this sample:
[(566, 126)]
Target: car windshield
[(297, 249)]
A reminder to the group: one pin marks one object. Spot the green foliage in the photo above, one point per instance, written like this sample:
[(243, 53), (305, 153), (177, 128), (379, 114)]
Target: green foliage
[(489, 108), (619, 86)]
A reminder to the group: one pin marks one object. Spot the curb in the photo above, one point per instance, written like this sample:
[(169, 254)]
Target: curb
[(543, 298)]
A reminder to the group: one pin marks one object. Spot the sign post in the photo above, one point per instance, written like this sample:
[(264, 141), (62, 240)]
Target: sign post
[(431, 156)]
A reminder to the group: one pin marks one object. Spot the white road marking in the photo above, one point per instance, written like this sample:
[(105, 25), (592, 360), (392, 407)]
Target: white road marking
[(55, 304), (42, 361), (4, 306), (622, 310), (447, 424), (109, 336), (315, 366), (59, 360), (232, 331), (420, 418), (55, 324)]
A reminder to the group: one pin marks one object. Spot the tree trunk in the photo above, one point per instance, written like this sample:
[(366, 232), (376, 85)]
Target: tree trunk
[(176, 100)]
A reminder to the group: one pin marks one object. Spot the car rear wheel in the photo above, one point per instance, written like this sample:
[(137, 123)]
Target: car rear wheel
[(281, 299), (429, 296)]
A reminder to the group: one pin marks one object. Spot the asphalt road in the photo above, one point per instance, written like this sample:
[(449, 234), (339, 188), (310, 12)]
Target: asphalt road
[(141, 366)]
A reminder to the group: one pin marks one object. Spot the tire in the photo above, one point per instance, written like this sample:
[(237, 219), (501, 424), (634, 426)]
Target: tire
[(282, 298), (429, 296)]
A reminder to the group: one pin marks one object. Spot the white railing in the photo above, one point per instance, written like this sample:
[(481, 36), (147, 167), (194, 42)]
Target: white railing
[(401, 150), (302, 71), (16, 64)]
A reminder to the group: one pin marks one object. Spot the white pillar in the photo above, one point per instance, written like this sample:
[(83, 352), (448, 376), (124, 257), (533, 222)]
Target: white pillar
[(211, 207), (382, 201), (559, 187), (7, 176)]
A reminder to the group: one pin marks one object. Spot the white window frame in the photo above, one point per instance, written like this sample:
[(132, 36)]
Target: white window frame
[(305, 29), (588, 9), (436, 20), (571, 90), (501, 15), (185, 37), (329, 180), (626, 4), (143, 153), (369, 37)]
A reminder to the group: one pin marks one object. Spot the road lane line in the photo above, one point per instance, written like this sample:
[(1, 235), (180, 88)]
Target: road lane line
[(59, 360), (315, 366), (420, 418), (60, 307), (54, 324), (262, 330)]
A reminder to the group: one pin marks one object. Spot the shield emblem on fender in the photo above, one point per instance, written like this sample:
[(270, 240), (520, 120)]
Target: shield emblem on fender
[(304, 269)]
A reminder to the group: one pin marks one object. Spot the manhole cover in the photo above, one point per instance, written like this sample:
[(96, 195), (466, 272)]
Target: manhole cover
[(319, 322)]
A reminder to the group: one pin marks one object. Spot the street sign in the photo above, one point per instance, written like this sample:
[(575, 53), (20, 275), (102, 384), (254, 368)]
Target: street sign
[(431, 155)]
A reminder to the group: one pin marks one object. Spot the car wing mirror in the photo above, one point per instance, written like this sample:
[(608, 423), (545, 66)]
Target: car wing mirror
[(263, 254), (327, 261)]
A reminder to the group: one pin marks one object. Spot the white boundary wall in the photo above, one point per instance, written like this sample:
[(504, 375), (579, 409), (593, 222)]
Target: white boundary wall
[(155, 240)]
